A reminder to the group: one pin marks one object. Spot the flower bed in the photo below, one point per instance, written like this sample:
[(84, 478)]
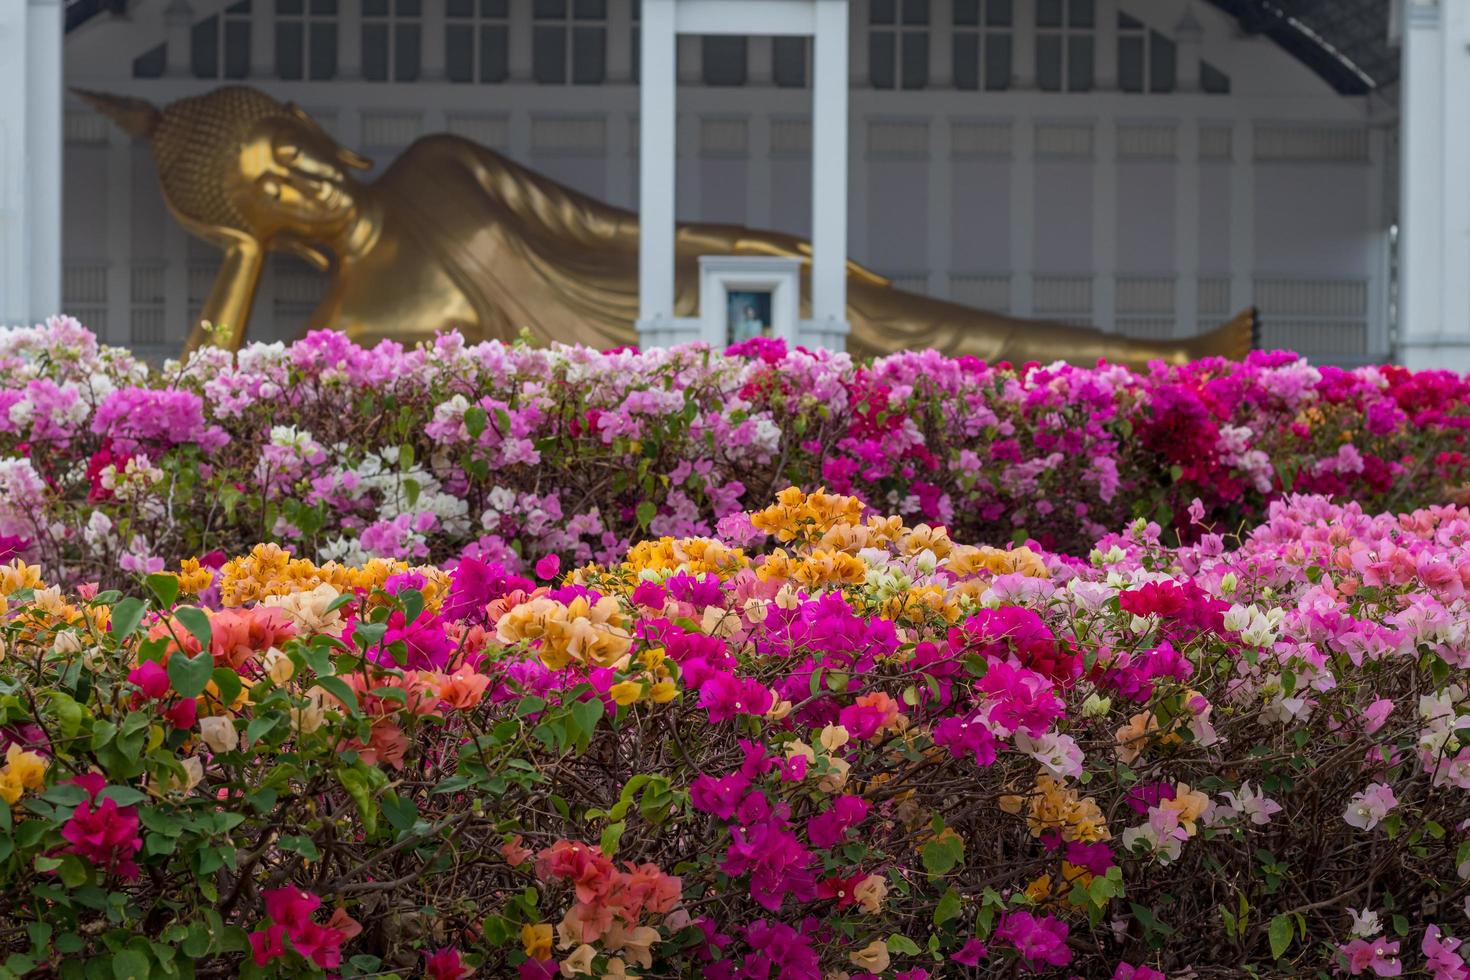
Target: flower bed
[(820, 744), (502, 451)]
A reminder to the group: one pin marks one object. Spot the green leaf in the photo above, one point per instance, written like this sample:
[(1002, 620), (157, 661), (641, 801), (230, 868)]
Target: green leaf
[(73, 872), (130, 965), (646, 513), (297, 844), (940, 856), (122, 795), (165, 587), (258, 728), (228, 683), (401, 813), (337, 688), (1280, 935), (612, 836), (898, 943), (126, 616), (475, 420), (197, 623), (413, 604), (190, 675), (948, 907)]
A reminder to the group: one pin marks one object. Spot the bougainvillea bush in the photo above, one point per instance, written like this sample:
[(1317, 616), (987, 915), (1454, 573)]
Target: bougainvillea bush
[(506, 453), (823, 743)]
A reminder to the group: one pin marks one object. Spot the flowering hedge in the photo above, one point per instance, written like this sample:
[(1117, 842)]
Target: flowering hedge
[(820, 744), (500, 451)]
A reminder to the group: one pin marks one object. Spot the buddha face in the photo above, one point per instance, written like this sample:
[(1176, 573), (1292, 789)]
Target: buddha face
[(293, 180)]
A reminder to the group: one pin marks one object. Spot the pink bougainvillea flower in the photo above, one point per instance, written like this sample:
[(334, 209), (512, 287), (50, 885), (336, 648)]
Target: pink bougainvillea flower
[(1038, 939), (445, 964), (548, 567), (971, 953), (103, 833), (1377, 955)]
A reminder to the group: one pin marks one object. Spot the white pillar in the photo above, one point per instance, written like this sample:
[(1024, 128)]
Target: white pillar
[(44, 125), (1434, 290), (656, 164), (15, 270), (829, 162)]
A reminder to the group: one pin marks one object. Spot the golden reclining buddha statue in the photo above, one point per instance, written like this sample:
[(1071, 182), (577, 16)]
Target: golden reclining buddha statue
[(455, 235)]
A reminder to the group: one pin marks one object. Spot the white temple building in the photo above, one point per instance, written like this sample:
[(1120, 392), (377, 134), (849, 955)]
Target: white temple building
[(1145, 166)]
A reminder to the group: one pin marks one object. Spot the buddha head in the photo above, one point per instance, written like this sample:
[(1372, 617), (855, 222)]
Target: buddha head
[(236, 161)]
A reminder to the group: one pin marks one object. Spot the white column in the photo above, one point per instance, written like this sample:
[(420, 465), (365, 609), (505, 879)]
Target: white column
[(941, 190), (520, 40), (15, 266), (829, 162), (1105, 223), (1242, 215), (1023, 216), (1105, 48), (1187, 231), (656, 164), (620, 43), (1434, 290), (44, 123)]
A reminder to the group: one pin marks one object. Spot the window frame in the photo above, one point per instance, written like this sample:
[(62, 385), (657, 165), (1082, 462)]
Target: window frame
[(392, 21), (1067, 34), (309, 20), (898, 32), (570, 23), (978, 36), (476, 23)]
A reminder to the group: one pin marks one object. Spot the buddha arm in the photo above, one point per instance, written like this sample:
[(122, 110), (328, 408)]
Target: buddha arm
[(226, 311)]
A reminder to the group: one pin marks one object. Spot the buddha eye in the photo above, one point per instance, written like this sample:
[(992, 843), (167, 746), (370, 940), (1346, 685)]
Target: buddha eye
[(287, 152)]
